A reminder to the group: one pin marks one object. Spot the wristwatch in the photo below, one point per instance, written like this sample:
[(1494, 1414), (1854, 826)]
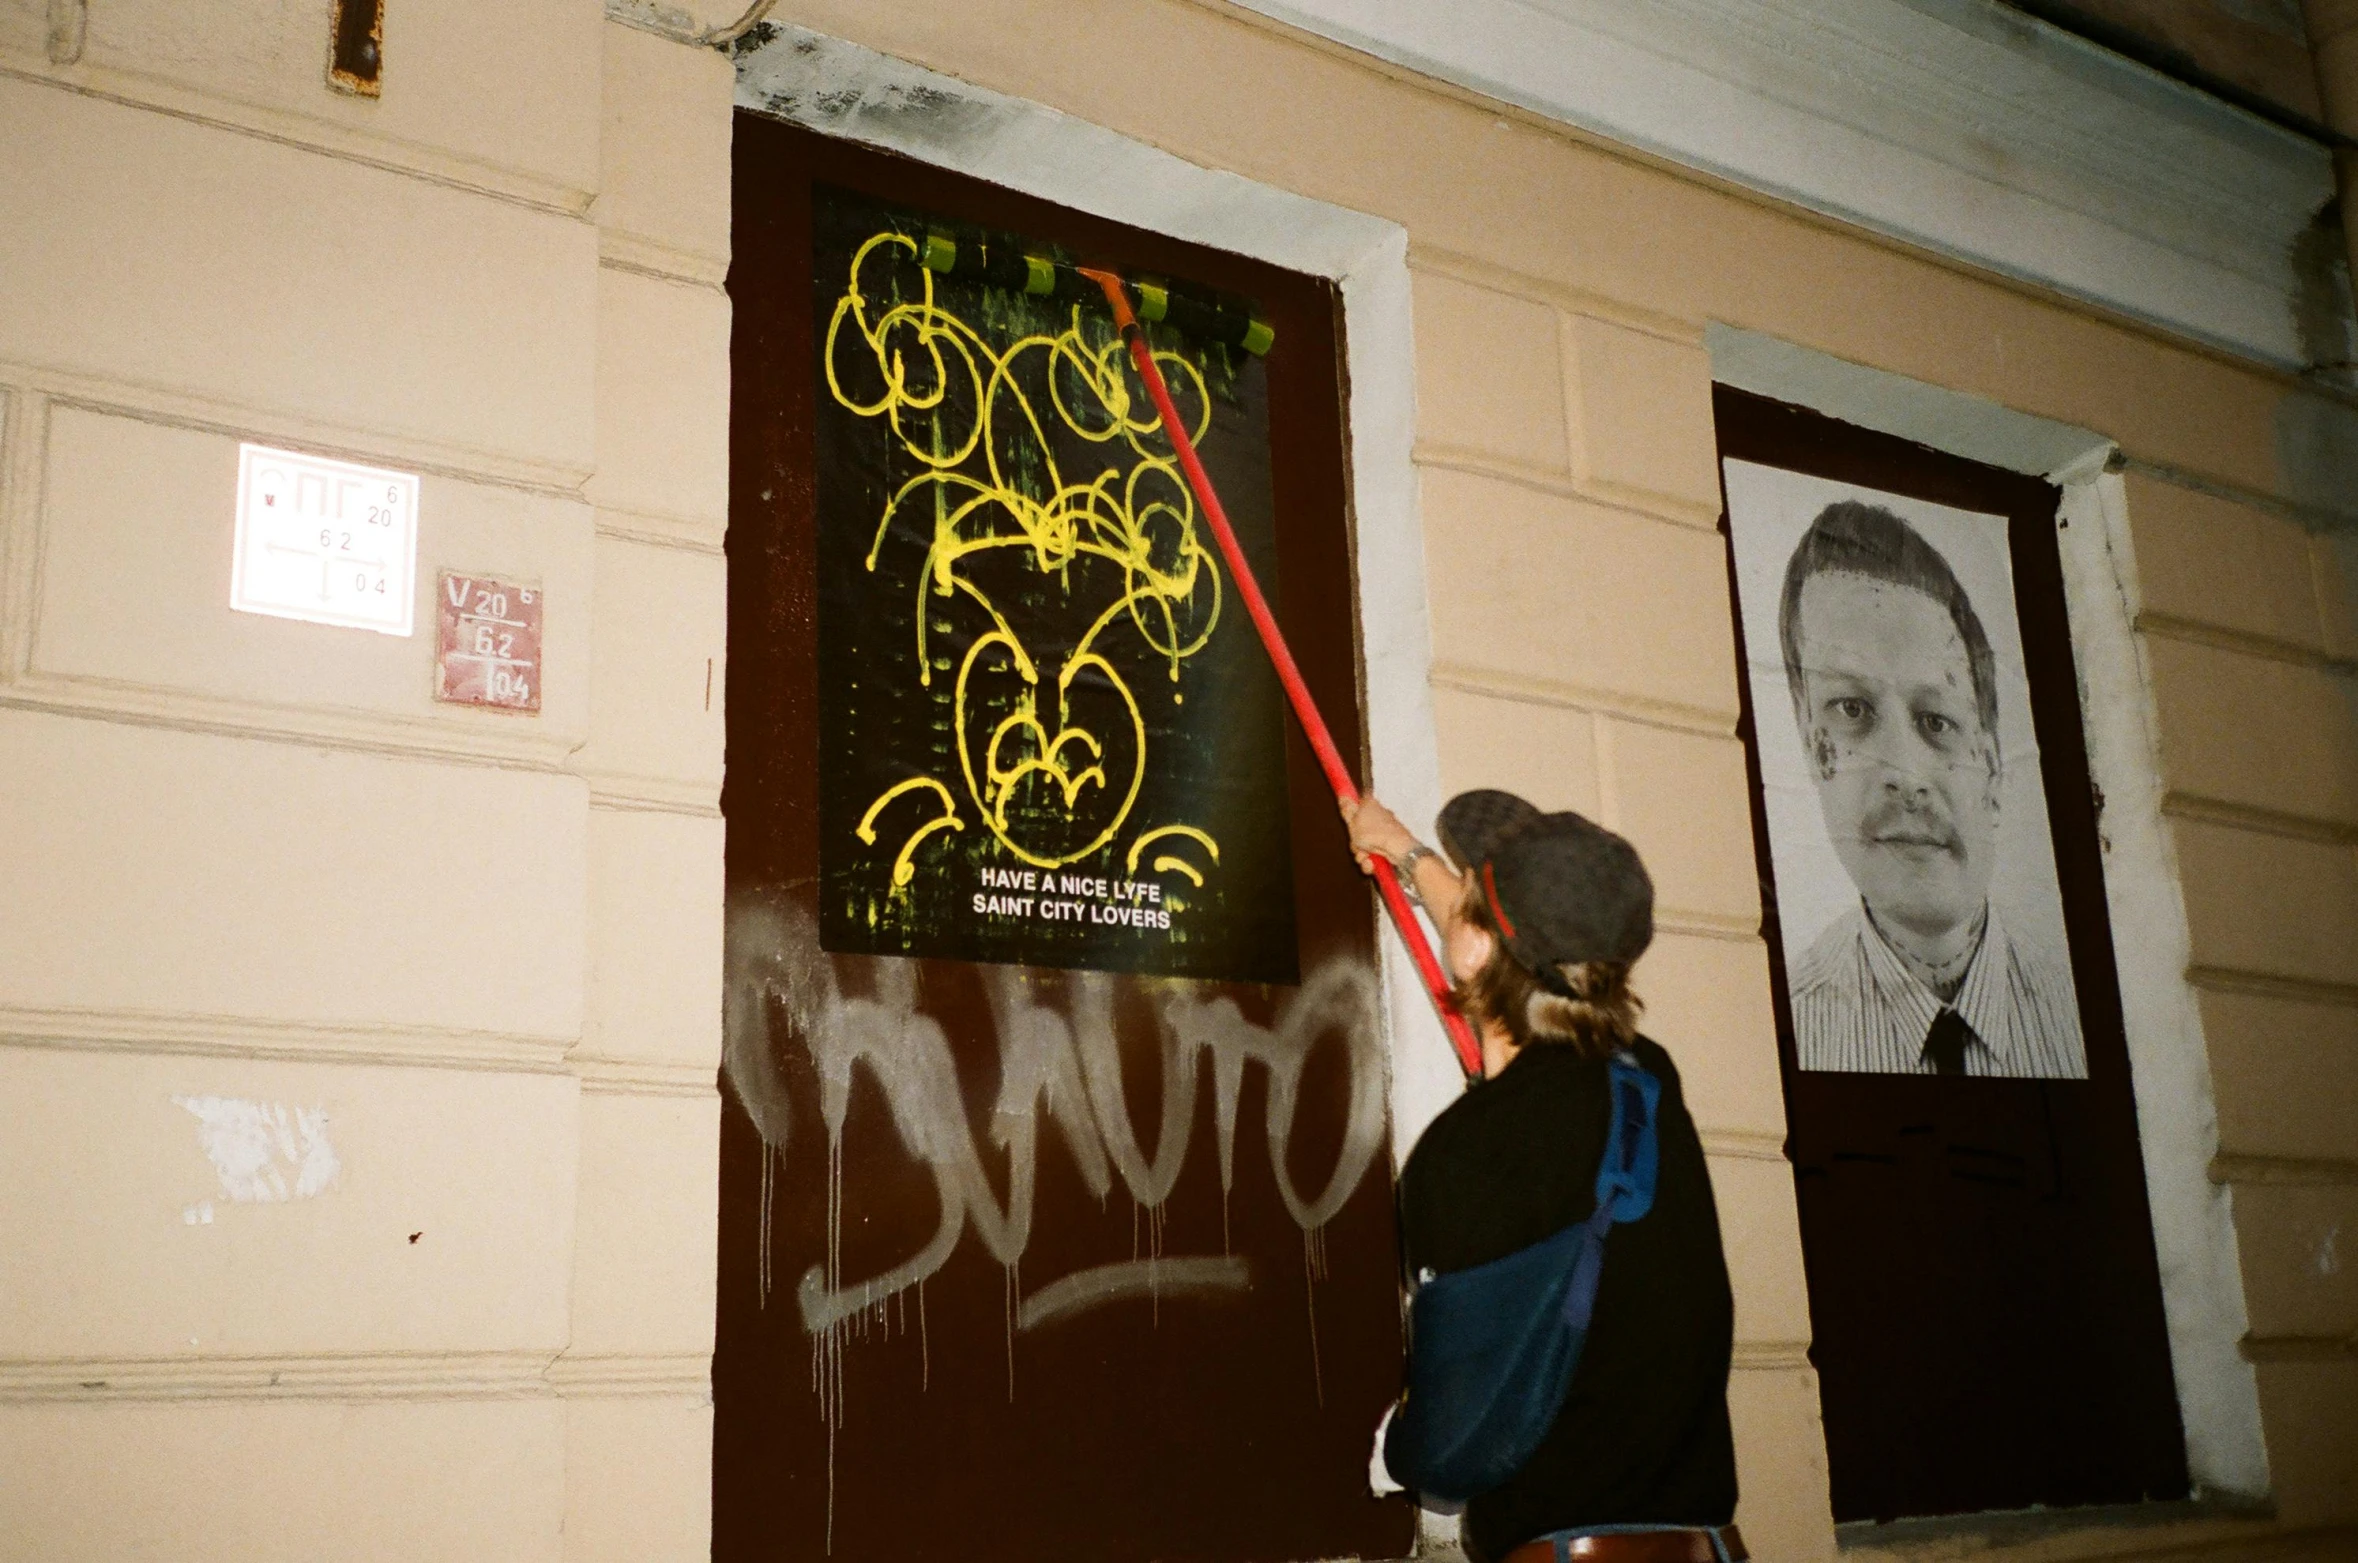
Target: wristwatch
[(1406, 869)]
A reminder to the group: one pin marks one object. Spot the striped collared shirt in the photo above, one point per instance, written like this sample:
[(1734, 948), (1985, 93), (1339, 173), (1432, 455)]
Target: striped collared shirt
[(1858, 1009)]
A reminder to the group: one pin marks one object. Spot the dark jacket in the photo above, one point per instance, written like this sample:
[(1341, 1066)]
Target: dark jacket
[(1643, 1436)]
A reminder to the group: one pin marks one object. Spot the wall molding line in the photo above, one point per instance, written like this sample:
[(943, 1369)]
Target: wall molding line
[(305, 133), (1728, 927), (2216, 637), (605, 1075), (2273, 985), (2267, 822), (622, 250), (355, 1376), (358, 1377), (2285, 1171), (1770, 1356), (394, 736), (1497, 277), (282, 1041), (1744, 1144), (2300, 1348), (652, 529), (1645, 504), (618, 792), (632, 268), (2309, 516), (615, 1376), (175, 408), (1675, 716)]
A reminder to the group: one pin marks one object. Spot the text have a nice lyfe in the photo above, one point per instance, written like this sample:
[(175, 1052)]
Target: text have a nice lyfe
[(1054, 897)]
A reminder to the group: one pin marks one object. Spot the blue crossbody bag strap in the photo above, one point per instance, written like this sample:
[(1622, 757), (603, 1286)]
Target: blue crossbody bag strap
[(1493, 1348), (1633, 1152), (1625, 1179)]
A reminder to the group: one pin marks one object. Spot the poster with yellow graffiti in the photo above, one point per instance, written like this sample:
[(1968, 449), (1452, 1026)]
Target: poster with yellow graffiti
[(1047, 733)]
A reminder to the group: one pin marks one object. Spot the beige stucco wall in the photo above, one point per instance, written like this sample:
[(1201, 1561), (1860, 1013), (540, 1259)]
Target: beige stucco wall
[(505, 276), (250, 858)]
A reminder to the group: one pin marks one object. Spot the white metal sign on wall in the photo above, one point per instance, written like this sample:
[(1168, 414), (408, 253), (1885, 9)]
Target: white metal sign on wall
[(325, 541)]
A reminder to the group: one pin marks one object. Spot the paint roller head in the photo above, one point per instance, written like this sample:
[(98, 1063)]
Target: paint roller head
[(999, 263)]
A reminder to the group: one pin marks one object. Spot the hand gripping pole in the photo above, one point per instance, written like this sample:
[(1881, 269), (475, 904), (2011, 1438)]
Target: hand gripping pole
[(1412, 933)]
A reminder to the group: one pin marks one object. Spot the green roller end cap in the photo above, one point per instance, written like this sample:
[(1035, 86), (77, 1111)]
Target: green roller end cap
[(1039, 275), (1258, 337), (939, 254), (1153, 302)]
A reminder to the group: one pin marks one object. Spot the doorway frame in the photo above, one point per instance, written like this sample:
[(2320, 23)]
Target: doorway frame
[(2169, 1061), (844, 90)]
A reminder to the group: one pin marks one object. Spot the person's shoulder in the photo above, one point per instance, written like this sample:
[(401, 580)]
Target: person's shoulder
[(1832, 962), (2040, 960), (1539, 1076), (1655, 1059), (1455, 1158), (1459, 1124), (2044, 999), (1829, 989)]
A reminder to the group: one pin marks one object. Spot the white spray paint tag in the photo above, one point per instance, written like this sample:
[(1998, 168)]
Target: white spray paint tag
[(264, 1152)]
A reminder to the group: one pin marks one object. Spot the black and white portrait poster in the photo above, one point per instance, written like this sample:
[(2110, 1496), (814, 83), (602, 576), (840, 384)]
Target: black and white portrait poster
[(1907, 819)]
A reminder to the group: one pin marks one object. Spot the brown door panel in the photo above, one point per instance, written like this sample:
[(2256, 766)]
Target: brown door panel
[(1984, 1296), (1168, 1364)]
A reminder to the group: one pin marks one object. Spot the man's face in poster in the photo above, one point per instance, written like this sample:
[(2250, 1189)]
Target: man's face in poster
[(1907, 774)]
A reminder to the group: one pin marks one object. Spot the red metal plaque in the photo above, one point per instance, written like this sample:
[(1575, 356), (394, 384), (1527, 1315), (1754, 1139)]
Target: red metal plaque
[(489, 651)]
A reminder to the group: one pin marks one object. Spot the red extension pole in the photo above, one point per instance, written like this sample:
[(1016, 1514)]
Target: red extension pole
[(1412, 933)]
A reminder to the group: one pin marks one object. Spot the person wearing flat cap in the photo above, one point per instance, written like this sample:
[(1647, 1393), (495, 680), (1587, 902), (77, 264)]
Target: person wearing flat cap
[(1541, 917)]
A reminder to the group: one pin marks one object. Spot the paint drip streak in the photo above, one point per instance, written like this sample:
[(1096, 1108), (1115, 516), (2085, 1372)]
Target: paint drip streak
[(1314, 1267), (769, 1187)]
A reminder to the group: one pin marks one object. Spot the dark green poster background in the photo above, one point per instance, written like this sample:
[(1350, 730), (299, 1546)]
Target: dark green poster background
[(1048, 735)]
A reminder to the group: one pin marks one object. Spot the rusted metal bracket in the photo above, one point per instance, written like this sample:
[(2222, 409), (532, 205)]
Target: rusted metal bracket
[(356, 56)]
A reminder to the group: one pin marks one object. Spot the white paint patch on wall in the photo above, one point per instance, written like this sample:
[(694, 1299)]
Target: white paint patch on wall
[(2177, 1117), (264, 1152)]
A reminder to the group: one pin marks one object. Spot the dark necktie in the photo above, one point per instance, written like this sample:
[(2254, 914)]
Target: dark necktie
[(1944, 1043)]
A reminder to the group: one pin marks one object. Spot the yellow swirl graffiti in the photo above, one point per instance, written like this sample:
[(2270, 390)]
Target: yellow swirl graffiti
[(903, 868), (1142, 520), (1167, 864)]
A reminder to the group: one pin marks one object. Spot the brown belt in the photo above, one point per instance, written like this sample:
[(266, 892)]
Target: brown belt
[(1643, 1546)]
